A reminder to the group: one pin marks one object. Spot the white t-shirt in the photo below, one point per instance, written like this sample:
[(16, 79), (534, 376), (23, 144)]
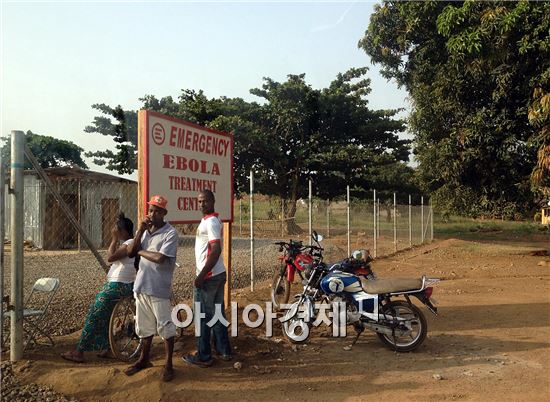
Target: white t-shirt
[(123, 270), (210, 231)]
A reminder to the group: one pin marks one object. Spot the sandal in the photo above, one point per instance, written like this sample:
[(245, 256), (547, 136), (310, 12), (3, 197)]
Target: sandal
[(105, 354), (72, 357), (167, 374), (133, 369)]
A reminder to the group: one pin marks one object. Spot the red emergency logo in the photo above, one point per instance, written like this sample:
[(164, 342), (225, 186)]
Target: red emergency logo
[(158, 134)]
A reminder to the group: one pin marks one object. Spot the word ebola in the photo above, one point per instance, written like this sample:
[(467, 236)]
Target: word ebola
[(194, 165), (197, 142)]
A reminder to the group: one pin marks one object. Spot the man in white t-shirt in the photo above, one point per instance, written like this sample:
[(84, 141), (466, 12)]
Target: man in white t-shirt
[(156, 243), (209, 284)]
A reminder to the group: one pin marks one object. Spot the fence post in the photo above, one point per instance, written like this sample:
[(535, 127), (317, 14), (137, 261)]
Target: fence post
[(251, 215), (241, 217), (410, 223), (431, 221), (374, 218), (79, 217), (348, 219), (17, 225), (394, 223), (422, 218), (377, 217), (328, 218), (309, 212), (2, 238), (282, 217)]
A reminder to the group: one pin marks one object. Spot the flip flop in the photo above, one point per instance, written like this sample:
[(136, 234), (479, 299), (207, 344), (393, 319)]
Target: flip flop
[(133, 369), (106, 354), (71, 357), (167, 374)]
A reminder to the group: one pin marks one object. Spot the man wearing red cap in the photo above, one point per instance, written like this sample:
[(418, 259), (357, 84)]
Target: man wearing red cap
[(156, 243)]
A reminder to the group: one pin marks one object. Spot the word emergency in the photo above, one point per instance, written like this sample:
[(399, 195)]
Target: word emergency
[(197, 142)]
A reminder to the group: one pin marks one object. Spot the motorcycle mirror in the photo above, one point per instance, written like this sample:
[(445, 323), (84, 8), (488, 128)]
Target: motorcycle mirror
[(316, 236), (359, 254)]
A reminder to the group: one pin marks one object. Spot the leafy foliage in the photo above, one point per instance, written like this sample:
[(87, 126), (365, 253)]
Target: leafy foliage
[(298, 132), (123, 132), (474, 70), (49, 151)]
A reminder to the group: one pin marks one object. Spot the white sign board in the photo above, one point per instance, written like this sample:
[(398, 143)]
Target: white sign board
[(178, 159)]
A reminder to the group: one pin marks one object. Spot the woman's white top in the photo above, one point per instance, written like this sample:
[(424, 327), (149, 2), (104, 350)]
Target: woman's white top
[(123, 270)]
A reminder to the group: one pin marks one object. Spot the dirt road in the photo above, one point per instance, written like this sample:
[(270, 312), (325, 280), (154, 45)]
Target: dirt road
[(491, 341)]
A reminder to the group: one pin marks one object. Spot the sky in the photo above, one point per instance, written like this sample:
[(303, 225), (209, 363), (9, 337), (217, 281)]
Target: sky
[(60, 57)]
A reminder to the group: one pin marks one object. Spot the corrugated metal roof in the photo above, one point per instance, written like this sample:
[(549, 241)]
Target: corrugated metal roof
[(77, 173)]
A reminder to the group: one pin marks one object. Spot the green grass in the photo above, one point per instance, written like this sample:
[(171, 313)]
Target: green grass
[(485, 229), (269, 208)]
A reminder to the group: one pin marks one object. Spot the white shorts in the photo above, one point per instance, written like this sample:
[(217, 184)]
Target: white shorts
[(153, 315)]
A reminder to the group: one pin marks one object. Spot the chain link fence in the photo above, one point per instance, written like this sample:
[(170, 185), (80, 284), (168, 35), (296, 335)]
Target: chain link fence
[(54, 248), (382, 226)]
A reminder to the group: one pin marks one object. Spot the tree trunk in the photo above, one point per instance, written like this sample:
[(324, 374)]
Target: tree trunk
[(290, 226), (388, 212)]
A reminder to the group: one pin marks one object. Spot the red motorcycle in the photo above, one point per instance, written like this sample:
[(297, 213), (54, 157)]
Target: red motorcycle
[(295, 258)]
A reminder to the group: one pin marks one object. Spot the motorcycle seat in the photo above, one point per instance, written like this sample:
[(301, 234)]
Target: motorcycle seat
[(390, 285)]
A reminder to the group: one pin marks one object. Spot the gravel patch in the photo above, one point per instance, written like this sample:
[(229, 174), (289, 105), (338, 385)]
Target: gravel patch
[(13, 391), (81, 278)]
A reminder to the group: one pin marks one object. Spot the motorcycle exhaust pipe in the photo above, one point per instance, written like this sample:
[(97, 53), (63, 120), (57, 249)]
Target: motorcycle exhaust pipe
[(383, 329)]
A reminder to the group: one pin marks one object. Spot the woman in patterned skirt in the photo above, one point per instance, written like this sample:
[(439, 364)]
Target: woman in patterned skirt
[(120, 282)]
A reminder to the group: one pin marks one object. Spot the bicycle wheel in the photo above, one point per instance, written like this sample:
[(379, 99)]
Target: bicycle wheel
[(125, 344)]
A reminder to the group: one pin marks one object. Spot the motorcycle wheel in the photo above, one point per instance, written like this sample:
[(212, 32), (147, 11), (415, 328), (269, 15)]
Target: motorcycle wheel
[(280, 289), (418, 327), (296, 329)]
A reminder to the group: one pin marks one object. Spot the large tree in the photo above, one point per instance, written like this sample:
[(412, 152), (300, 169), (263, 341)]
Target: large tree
[(296, 133), (328, 135), (471, 69), (49, 151), (123, 131)]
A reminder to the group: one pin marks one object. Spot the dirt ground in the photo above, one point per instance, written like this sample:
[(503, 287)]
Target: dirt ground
[(490, 341)]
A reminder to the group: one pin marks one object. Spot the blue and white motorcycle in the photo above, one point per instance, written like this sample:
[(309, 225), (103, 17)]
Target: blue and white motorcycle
[(369, 304)]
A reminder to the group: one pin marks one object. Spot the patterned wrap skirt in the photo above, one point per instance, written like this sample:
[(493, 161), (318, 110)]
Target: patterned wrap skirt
[(95, 335)]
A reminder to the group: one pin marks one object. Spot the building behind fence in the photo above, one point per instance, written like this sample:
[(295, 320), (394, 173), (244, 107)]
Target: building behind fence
[(95, 199)]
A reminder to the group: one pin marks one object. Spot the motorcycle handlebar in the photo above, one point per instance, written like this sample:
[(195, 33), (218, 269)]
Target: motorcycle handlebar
[(286, 245), (292, 243)]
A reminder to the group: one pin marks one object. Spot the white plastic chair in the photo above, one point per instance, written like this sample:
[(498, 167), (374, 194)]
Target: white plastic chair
[(33, 318)]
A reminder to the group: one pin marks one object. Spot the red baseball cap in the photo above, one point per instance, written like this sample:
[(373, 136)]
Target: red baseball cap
[(158, 201)]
